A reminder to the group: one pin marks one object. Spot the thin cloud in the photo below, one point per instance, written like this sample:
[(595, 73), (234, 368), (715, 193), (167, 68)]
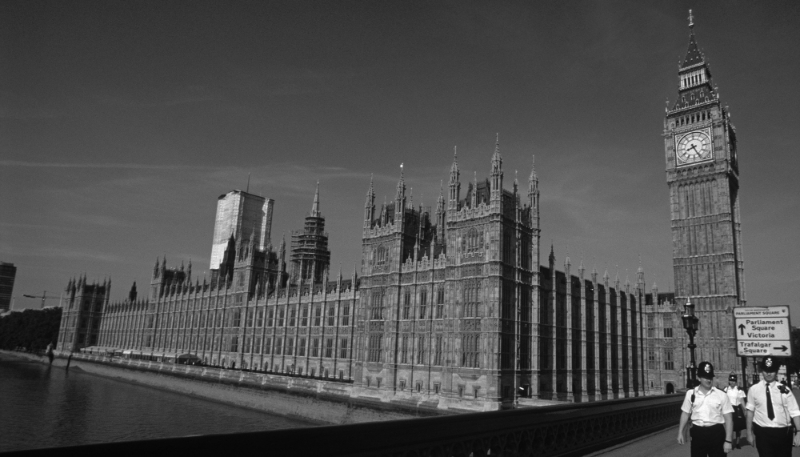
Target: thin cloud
[(119, 166)]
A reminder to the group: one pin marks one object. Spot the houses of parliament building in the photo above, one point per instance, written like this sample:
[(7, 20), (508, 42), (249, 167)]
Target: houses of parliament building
[(452, 304)]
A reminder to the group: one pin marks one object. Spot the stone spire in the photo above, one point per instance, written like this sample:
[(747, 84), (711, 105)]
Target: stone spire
[(696, 85), (399, 202), (497, 172), (315, 207), (455, 183), (369, 205)]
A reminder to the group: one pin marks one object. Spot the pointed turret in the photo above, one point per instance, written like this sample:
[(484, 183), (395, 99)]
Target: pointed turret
[(640, 276), (315, 207), (455, 183), (696, 85), (399, 201), (369, 205), (533, 194), (474, 194), (693, 54), (497, 172)]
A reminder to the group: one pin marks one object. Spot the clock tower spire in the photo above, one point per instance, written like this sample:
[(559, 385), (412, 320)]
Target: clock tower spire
[(703, 180)]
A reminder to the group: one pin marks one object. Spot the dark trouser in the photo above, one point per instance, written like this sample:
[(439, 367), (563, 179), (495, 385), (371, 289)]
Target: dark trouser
[(773, 441), (708, 441)]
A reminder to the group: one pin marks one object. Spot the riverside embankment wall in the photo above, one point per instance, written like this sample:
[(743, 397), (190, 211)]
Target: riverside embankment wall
[(321, 401)]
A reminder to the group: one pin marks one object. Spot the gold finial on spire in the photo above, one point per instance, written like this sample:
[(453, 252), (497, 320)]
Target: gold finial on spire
[(691, 19)]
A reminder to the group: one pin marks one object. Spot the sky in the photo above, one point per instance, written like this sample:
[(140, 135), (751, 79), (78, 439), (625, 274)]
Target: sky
[(122, 122)]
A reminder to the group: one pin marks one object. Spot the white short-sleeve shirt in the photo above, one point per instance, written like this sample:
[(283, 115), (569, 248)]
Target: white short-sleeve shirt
[(783, 404), (735, 394), (707, 409)]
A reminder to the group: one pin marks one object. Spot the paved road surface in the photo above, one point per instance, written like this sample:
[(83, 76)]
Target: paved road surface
[(665, 444)]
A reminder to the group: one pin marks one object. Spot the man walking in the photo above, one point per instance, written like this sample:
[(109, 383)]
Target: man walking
[(771, 408), (710, 412)]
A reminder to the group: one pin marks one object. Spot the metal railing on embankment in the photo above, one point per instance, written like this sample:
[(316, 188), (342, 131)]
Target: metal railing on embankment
[(561, 430)]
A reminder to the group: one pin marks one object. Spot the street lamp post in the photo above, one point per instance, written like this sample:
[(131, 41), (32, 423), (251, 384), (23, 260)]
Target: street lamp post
[(690, 325)]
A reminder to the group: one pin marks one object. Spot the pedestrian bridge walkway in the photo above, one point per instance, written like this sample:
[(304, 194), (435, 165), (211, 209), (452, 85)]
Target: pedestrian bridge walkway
[(665, 444), (643, 426), (572, 429)]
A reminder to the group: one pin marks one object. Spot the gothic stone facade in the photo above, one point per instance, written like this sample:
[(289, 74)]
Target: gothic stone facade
[(453, 307)]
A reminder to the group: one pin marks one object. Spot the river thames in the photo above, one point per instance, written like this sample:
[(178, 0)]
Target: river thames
[(46, 406)]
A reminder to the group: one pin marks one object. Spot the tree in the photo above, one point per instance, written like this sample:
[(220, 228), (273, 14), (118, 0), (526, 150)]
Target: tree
[(32, 329)]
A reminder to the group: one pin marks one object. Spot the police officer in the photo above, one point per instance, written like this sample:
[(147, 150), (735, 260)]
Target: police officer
[(710, 411), (737, 397), (771, 407)]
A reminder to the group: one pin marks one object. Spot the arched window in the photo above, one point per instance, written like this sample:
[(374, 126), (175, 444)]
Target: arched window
[(439, 302), (472, 241), (470, 307), (377, 304), (381, 255)]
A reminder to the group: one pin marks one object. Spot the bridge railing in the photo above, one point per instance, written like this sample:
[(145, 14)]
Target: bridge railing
[(561, 430)]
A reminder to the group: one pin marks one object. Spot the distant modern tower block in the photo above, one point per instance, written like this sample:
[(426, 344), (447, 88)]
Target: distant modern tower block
[(7, 274), (82, 310), (703, 178), (310, 254), (241, 215)]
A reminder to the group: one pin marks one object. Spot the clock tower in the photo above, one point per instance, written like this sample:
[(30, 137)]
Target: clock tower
[(703, 180)]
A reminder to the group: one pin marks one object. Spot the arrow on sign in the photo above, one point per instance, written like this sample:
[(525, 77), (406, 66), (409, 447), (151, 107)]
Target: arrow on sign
[(741, 329), (782, 348)]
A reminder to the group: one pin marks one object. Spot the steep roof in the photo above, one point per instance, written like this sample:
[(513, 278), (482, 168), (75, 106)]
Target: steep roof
[(693, 54)]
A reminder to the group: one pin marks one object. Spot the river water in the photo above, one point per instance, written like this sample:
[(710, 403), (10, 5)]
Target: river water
[(42, 406)]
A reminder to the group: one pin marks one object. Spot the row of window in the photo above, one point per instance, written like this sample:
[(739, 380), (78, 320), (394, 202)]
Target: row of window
[(313, 347), (212, 318), (693, 118), (669, 361), (470, 306), (409, 352)]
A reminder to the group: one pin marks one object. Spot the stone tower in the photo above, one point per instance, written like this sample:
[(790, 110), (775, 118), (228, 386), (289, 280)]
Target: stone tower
[(82, 308), (310, 255), (449, 297), (703, 180)]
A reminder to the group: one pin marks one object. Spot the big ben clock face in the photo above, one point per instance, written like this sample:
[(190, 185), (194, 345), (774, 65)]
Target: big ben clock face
[(693, 147)]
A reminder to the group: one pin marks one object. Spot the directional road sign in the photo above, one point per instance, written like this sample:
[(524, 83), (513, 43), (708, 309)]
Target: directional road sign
[(763, 331)]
